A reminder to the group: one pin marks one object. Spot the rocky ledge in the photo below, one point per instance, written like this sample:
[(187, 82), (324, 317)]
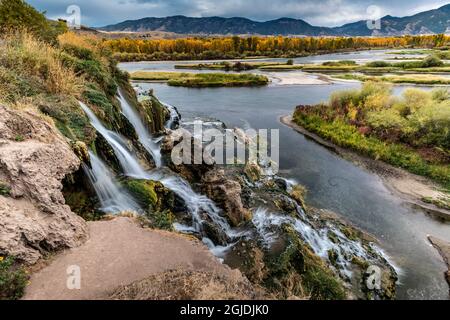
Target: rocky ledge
[(34, 159)]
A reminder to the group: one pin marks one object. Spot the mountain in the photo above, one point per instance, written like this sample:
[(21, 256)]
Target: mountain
[(428, 22), (218, 25)]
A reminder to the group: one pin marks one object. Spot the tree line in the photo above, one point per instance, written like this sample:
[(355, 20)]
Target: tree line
[(233, 47)]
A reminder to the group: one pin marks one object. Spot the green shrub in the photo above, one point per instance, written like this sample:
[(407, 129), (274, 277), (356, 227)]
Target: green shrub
[(18, 15), (339, 63), (378, 64), (13, 279)]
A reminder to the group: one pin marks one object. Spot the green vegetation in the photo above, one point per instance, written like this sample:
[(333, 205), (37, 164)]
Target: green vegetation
[(157, 199), (13, 279), (299, 272), (431, 61), (5, 190), (440, 203), (202, 79), (424, 79), (158, 76), (412, 132), (339, 63), (237, 66), (17, 14), (430, 64)]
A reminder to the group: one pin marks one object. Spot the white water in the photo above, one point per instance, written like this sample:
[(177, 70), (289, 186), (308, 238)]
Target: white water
[(129, 163), (174, 116), (113, 198), (318, 240), (144, 135), (197, 204)]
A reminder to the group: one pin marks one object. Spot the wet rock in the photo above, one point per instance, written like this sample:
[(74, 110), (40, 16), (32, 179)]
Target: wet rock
[(81, 151), (151, 194), (227, 194), (34, 219), (213, 233), (444, 249), (253, 172), (249, 258)]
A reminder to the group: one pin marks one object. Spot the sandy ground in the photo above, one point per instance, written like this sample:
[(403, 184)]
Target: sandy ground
[(409, 187), (296, 78), (118, 253)]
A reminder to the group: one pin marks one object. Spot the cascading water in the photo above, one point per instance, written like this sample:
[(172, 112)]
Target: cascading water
[(129, 163), (318, 240), (112, 197), (196, 204), (144, 136), (174, 117)]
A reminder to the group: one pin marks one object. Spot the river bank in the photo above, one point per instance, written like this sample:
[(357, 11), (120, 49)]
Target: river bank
[(411, 188)]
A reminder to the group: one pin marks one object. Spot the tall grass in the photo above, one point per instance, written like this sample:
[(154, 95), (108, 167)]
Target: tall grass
[(29, 57), (411, 131)]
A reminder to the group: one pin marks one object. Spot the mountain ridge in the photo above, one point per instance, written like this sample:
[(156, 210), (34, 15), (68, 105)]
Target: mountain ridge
[(427, 22)]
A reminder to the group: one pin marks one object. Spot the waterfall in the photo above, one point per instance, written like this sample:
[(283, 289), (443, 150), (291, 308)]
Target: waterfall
[(144, 136), (318, 240), (113, 198), (174, 117), (129, 163), (197, 204)]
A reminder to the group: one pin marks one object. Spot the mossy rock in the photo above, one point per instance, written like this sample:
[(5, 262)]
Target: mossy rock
[(153, 113), (81, 151), (298, 193), (253, 172), (299, 272), (104, 150), (151, 194), (69, 118)]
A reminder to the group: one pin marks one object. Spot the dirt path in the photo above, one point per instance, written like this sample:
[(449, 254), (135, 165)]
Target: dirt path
[(118, 253), (407, 186)]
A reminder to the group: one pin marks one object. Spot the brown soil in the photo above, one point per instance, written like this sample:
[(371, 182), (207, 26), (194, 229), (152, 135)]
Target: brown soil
[(120, 253)]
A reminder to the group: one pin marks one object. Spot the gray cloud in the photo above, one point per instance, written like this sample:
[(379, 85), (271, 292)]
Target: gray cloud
[(316, 12)]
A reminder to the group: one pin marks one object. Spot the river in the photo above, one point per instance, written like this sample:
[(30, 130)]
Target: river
[(333, 183)]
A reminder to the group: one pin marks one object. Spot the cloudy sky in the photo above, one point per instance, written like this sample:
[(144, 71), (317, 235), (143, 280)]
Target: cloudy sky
[(317, 12)]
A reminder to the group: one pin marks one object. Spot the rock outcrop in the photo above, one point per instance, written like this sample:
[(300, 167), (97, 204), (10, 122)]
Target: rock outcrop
[(34, 158), (444, 249), (226, 192)]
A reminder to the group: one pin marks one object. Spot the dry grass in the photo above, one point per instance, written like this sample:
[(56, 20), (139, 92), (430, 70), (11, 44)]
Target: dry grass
[(189, 285), (28, 57)]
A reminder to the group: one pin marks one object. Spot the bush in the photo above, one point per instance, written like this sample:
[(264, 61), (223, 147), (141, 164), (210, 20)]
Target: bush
[(13, 279), (18, 15), (378, 64), (432, 61)]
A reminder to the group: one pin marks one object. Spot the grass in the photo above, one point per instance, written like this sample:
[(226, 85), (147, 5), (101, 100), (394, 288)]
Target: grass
[(411, 131), (240, 66), (412, 78), (158, 76), (348, 136), (203, 79), (13, 279)]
